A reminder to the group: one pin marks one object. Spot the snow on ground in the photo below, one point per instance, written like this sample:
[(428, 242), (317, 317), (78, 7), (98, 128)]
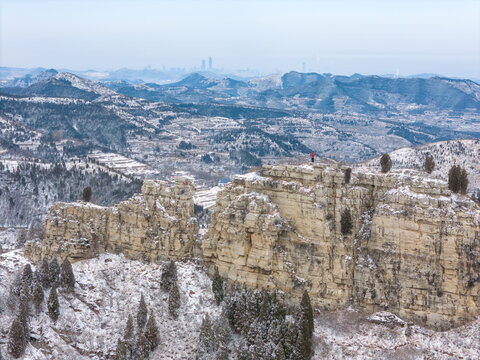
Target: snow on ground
[(108, 289), (8, 238), (445, 153), (206, 198), (121, 164), (350, 334)]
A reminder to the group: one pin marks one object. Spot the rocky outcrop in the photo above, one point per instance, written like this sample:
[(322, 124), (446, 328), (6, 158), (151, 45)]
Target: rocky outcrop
[(414, 248), (156, 224)]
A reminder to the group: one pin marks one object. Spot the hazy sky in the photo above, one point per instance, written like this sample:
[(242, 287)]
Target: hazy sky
[(341, 37)]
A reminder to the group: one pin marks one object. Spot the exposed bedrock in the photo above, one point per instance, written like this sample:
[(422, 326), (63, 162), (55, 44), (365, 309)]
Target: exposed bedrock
[(414, 248)]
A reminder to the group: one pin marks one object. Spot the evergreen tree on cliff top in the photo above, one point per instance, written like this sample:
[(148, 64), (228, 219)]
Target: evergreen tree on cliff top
[(385, 163)]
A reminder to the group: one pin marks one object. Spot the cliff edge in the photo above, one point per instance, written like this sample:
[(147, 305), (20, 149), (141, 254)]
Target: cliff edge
[(414, 248)]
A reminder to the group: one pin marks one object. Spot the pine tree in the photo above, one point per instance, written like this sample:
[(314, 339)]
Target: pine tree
[(87, 194), (67, 279), (44, 273), (463, 181), (151, 332), (23, 314), (169, 276), (258, 349), (217, 287), (54, 272), (347, 175), (305, 324), (142, 348), (16, 339), (458, 179), (279, 353), (290, 340), (129, 330), (206, 343), (222, 331), (27, 276), (129, 336), (429, 164), (52, 304), (174, 300), (142, 313), (346, 224), (121, 352), (385, 163), (222, 353), (37, 296)]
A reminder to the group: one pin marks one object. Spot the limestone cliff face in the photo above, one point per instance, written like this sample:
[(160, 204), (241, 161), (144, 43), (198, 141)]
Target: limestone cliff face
[(414, 249), (157, 224)]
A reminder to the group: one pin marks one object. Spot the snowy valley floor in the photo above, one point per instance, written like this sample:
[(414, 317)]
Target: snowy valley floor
[(109, 287)]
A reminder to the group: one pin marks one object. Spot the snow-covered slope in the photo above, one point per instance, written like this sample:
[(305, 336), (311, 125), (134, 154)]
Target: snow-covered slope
[(445, 153), (108, 289), (84, 84)]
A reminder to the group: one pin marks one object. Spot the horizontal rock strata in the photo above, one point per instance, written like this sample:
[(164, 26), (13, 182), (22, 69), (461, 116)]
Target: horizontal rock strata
[(156, 224), (414, 248)]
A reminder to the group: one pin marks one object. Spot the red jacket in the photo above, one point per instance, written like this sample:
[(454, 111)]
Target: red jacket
[(313, 155)]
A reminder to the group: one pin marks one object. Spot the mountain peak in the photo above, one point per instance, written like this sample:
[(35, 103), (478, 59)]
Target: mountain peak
[(83, 84)]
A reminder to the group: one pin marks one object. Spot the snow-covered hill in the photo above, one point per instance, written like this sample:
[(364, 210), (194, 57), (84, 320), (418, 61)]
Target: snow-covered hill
[(465, 153)]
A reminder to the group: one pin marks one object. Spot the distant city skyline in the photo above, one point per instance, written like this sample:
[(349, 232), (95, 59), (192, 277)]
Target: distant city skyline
[(340, 37)]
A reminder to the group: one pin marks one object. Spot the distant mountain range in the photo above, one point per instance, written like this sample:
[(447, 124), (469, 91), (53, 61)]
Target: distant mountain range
[(347, 118), (323, 93)]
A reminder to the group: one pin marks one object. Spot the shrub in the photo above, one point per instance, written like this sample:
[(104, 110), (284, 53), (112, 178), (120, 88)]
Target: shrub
[(385, 163), (429, 164), (346, 222)]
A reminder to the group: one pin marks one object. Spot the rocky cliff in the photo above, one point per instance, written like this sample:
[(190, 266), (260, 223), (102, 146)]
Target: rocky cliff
[(156, 224), (414, 248)]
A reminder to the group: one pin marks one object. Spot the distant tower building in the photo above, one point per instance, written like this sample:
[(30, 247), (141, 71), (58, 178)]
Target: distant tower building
[(203, 65), (210, 63), (304, 67)]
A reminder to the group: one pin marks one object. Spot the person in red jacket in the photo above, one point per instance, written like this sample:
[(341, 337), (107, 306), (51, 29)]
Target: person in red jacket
[(313, 157)]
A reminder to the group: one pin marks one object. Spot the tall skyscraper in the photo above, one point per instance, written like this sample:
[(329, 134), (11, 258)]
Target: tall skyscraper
[(203, 65), (210, 63)]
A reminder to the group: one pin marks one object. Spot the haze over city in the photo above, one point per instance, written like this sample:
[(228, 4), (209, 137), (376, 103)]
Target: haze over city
[(340, 37)]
